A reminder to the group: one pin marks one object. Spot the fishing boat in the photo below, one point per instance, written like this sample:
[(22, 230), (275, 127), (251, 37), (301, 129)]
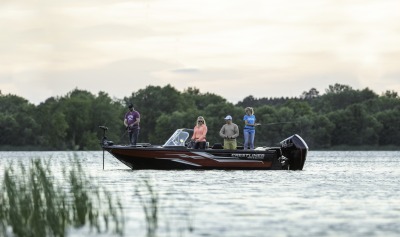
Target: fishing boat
[(177, 154)]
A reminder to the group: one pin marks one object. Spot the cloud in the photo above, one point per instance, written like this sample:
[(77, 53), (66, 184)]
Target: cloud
[(186, 70), (232, 48)]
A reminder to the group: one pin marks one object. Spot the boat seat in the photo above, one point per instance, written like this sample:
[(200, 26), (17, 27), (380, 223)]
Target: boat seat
[(217, 146)]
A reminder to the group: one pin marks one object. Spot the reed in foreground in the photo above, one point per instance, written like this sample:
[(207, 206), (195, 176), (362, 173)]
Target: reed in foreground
[(34, 203), (166, 213)]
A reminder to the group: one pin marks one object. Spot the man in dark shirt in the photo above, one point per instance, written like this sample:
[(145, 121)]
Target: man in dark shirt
[(131, 122)]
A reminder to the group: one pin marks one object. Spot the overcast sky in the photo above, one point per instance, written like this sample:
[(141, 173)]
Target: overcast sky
[(233, 48)]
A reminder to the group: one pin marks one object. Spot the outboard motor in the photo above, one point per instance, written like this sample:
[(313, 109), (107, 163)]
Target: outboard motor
[(295, 149)]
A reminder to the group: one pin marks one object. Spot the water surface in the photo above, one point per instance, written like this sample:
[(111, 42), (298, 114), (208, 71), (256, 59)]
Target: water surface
[(337, 194)]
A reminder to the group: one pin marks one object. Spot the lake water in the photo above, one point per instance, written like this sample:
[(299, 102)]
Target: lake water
[(353, 193)]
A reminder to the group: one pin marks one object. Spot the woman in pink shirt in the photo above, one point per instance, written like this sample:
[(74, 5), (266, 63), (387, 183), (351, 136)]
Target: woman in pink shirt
[(199, 133)]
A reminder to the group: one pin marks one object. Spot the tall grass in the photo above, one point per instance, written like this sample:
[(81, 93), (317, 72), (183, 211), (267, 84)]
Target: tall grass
[(164, 216), (34, 203), (150, 204)]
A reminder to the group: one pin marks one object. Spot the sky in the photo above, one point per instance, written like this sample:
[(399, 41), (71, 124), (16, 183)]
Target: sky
[(232, 48)]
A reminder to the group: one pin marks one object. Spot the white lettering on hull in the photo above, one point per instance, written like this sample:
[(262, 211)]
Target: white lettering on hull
[(249, 156)]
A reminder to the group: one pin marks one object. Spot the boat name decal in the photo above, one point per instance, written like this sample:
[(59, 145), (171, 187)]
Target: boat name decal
[(249, 156)]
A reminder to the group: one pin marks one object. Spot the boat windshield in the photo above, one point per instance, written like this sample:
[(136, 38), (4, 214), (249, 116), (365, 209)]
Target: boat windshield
[(178, 138)]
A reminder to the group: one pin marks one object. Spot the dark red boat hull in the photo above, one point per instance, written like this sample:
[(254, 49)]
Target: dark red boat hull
[(163, 158), (291, 155)]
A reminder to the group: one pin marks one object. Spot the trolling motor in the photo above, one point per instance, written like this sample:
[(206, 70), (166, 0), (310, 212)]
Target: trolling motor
[(104, 141)]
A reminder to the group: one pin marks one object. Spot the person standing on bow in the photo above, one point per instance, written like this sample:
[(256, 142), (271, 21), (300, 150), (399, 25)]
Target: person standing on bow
[(249, 128), (229, 132), (199, 133), (131, 122)]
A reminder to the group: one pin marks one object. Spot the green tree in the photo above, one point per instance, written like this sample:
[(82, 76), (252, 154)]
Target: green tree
[(276, 124), (200, 100), (390, 133), (317, 130), (338, 89), (353, 126), (106, 112), (54, 125), (17, 124), (152, 102), (311, 94), (340, 97), (166, 124), (9, 130), (341, 116), (76, 106), (391, 94)]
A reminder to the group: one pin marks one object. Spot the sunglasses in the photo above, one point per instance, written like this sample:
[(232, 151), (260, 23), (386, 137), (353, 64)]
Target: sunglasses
[(200, 121)]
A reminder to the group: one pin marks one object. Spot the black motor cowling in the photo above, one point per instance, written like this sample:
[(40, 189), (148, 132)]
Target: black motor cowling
[(295, 149)]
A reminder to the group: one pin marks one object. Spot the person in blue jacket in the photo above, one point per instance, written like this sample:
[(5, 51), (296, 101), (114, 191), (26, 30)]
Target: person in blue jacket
[(249, 130)]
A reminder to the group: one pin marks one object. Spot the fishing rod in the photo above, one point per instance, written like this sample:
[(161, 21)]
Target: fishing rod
[(123, 134), (268, 124)]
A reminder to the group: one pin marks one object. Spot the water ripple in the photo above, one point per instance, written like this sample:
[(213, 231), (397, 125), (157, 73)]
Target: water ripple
[(338, 193)]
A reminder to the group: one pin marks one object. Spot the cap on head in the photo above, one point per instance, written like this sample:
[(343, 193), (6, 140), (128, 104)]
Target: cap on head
[(130, 105), (228, 117)]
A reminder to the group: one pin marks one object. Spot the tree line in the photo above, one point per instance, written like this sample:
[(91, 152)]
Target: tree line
[(342, 117)]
